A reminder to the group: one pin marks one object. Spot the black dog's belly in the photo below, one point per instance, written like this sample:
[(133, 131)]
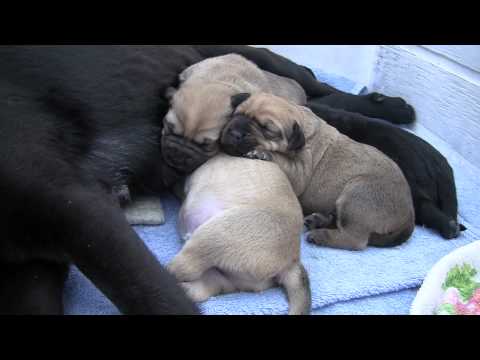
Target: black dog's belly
[(24, 240), (19, 252)]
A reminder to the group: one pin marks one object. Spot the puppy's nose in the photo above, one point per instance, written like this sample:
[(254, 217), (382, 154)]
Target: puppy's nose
[(236, 135)]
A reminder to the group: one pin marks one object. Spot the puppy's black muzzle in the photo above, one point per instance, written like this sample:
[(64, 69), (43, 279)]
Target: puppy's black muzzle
[(232, 145), (182, 154), (236, 139)]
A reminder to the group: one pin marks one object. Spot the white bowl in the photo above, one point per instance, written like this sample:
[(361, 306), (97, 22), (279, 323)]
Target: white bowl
[(430, 294)]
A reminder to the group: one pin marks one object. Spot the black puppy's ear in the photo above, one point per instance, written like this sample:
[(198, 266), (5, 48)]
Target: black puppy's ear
[(238, 99), (296, 140), (378, 98), (170, 92)]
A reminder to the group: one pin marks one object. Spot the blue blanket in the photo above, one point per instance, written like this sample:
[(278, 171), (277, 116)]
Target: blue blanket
[(375, 281)]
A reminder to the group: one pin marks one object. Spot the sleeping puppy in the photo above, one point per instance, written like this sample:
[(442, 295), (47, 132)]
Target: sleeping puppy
[(338, 181), (243, 236), (428, 172), (202, 105)]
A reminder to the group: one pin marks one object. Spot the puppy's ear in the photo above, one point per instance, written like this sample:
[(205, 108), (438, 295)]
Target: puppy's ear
[(296, 140), (238, 99), (170, 92)]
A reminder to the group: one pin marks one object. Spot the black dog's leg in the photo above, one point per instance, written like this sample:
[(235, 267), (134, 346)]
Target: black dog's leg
[(106, 249), (447, 194), (431, 216), (377, 106), (34, 288)]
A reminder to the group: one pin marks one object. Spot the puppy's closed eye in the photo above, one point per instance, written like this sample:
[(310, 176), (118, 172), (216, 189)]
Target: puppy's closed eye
[(270, 131)]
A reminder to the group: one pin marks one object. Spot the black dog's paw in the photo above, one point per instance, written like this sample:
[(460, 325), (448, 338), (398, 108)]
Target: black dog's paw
[(452, 230), (393, 109), (318, 221), (259, 155)]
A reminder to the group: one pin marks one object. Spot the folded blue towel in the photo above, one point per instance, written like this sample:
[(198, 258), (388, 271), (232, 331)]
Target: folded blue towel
[(396, 303), (375, 281)]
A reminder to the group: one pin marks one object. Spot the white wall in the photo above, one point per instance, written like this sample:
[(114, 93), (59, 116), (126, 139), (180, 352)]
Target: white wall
[(355, 62), (442, 82)]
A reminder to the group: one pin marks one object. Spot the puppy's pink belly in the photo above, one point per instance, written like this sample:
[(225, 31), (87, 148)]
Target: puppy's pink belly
[(199, 214)]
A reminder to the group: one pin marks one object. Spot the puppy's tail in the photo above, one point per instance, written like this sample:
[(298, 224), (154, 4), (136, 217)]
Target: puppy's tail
[(297, 286)]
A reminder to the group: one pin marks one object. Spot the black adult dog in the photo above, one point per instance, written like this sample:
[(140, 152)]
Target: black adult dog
[(428, 173), (75, 122)]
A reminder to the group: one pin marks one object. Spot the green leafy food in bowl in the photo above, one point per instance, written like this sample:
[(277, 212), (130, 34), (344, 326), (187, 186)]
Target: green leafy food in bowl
[(462, 292), (462, 278)]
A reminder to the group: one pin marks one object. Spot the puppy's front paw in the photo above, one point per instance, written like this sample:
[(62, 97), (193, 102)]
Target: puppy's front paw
[(318, 221), (259, 155)]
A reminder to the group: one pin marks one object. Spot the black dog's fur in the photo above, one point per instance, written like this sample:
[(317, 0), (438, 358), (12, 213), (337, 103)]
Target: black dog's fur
[(76, 122), (374, 105), (428, 173)]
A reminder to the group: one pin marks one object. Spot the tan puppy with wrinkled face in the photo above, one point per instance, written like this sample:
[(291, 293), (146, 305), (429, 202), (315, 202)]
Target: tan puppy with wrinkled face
[(244, 237), (357, 195), (201, 106)]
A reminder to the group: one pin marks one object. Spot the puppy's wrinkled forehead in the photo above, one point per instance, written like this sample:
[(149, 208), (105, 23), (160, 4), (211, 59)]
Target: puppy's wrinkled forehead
[(200, 112), (266, 107)]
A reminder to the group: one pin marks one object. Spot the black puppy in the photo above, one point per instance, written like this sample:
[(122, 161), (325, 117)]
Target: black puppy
[(76, 123), (428, 173)]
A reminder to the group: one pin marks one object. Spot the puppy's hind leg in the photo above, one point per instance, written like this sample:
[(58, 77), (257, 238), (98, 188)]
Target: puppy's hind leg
[(190, 264), (318, 221), (338, 239), (351, 232), (211, 283), (297, 285)]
